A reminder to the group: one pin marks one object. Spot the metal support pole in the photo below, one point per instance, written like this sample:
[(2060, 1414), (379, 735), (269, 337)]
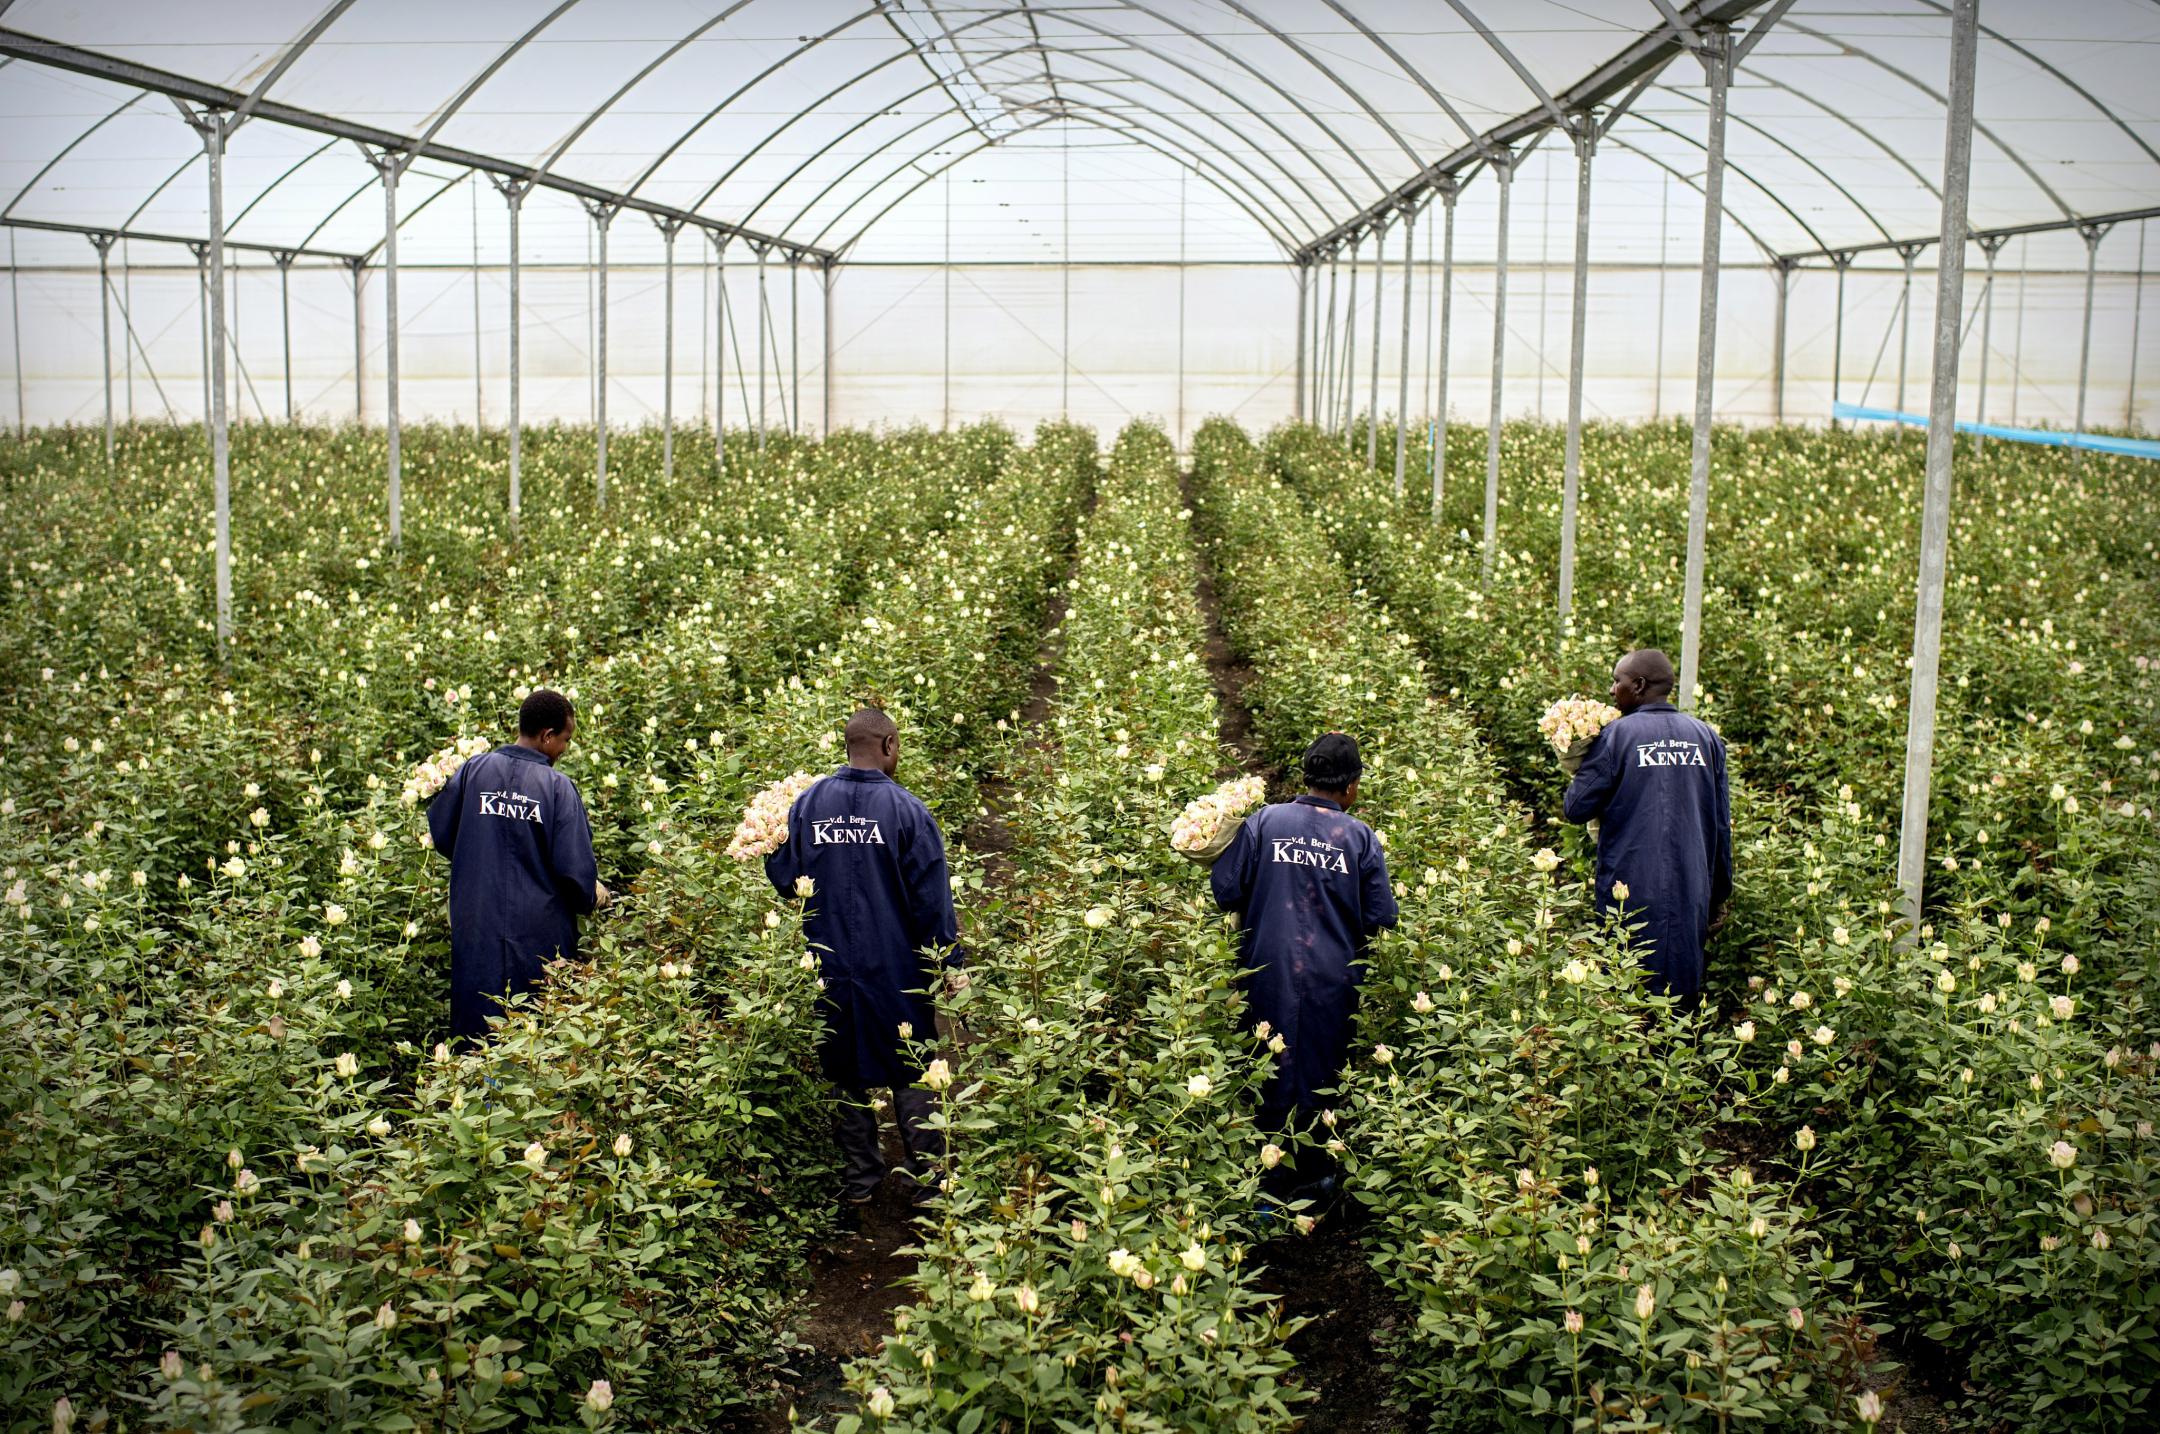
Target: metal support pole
[(2137, 324), (1448, 196), (763, 313), (2092, 234), (720, 350), (1325, 363), (1372, 377), (1402, 387), (283, 258), (1908, 252), (513, 193), (1842, 262), (15, 332), (668, 229), (202, 305), (830, 273), (945, 272), (1716, 56), (1585, 136), (127, 322), (1181, 309), (1990, 246), (1503, 168), (1784, 270), (1348, 405), (794, 341), (103, 244), (391, 167), (1941, 434), (603, 215), (1297, 397), (215, 129)]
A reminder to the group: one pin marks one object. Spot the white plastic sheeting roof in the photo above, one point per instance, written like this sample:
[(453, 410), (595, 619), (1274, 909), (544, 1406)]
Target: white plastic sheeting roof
[(1045, 129)]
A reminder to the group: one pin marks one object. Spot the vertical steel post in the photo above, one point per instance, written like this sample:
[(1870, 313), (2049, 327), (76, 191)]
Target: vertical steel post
[(1586, 137), (1941, 436), (1402, 386), (15, 332), (359, 346), (1325, 361), (103, 244), (2092, 235), (127, 321), (202, 306), (513, 193), (1181, 309), (391, 167), (794, 341), (603, 215), (1372, 377), (479, 375), (1297, 394), (1448, 196), (946, 272), (720, 352), (1991, 245), (1841, 262), (1503, 168), (1784, 270), (215, 129), (1065, 272), (830, 272), (1348, 405), (668, 230), (764, 313), (1908, 252), (1716, 56), (2137, 324), (284, 260)]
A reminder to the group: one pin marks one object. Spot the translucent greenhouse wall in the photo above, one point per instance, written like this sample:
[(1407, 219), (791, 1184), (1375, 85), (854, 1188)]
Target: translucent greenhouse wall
[(1009, 327)]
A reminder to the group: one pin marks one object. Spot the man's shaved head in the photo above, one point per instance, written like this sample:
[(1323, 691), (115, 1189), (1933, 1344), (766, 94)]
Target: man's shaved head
[(1644, 675), (873, 741)]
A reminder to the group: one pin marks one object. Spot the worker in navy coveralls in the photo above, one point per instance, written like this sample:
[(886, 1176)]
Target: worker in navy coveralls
[(1655, 780), (1310, 886), (521, 864), (881, 921)]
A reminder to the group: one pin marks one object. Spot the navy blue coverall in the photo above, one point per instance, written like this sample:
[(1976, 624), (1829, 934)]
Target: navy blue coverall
[(1655, 779), (521, 873), (879, 918), (1310, 885)]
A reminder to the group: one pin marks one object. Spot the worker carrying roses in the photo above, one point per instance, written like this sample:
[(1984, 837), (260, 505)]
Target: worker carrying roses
[(1655, 778), (868, 858), (521, 864), (1310, 887)]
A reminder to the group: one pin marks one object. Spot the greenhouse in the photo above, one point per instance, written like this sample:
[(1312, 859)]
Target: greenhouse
[(682, 687)]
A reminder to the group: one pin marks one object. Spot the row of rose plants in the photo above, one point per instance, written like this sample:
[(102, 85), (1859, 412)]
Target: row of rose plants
[(1531, 1134), (622, 1184), (1086, 1265), (1984, 1101)]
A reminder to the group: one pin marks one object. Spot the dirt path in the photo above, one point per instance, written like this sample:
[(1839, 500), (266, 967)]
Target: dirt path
[(1322, 1277), (855, 1280)]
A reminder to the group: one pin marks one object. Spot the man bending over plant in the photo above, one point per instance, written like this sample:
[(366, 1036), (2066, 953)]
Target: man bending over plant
[(521, 864), (869, 858), (1310, 886), (1655, 779)]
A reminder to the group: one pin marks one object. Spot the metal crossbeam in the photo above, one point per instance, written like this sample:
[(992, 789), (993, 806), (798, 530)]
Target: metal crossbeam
[(145, 236), (1981, 236), (1613, 78), (17, 45)]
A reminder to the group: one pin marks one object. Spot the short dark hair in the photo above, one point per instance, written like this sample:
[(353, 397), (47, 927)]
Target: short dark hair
[(1652, 666), (869, 727), (544, 711), (1332, 763)]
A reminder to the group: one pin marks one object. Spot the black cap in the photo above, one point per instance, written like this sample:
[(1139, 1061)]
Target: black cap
[(1332, 763)]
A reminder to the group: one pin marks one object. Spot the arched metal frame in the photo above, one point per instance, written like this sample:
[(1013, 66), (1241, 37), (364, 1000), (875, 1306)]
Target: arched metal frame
[(1185, 142)]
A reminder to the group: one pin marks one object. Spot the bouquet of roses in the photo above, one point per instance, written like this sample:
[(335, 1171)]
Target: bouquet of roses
[(1205, 829), (1570, 724), (429, 777), (764, 825)]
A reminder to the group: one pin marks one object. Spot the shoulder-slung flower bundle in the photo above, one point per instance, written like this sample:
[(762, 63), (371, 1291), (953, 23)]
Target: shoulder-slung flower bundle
[(1575, 720), (764, 824), (428, 778), (1204, 829)]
